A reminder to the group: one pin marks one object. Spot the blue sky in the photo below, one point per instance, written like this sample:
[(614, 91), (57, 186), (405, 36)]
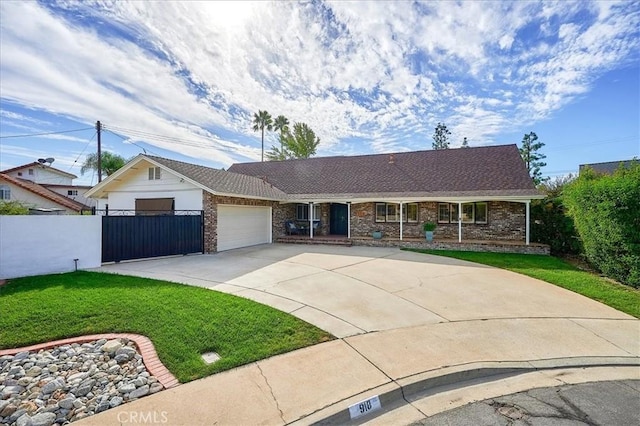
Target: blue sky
[(183, 79)]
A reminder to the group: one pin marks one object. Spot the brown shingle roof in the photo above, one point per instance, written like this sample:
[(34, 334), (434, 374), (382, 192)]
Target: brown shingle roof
[(490, 170), (222, 182), (44, 192)]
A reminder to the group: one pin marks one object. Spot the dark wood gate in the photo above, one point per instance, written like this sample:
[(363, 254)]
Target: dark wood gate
[(126, 237)]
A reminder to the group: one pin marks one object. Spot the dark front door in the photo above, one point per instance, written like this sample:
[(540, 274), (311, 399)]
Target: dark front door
[(338, 219)]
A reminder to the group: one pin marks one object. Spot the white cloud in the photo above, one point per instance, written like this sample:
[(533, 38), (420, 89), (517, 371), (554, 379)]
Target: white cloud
[(384, 72)]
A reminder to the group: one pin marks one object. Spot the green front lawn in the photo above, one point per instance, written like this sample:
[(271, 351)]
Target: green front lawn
[(182, 321), (558, 272)]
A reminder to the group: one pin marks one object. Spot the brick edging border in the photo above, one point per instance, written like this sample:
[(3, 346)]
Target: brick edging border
[(149, 356)]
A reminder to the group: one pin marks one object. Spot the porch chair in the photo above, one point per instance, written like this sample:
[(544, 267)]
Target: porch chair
[(291, 228)]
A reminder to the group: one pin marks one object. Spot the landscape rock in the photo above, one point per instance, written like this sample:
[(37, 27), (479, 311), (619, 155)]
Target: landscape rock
[(111, 346), (43, 419), (140, 392)]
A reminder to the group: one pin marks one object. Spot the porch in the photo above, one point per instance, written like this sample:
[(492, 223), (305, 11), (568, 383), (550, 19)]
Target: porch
[(493, 246)]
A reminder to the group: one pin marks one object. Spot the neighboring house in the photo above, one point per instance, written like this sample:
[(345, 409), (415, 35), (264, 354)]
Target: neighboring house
[(480, 193), (45, 188), (607, 168)]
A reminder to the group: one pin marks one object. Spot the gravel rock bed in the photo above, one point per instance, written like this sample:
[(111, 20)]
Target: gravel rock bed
[(70, 382)]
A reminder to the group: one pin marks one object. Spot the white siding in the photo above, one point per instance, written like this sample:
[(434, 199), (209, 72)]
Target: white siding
[(64, 190), (34, 245), (42, 175), (33, 200), (123, 196)]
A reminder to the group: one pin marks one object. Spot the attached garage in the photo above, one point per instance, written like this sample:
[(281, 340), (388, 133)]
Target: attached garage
[(243, 226)]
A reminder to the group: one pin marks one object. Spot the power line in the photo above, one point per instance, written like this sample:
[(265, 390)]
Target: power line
[(82, 152), (45, 134), (124, 138)]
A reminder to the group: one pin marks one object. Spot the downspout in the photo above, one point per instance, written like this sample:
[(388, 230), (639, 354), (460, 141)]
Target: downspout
[(349, 219), (527, 221), (311, 219), (459, 222), (401, 221)]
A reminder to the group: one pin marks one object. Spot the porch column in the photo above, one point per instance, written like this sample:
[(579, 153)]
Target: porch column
[(349, 219), (311, 219), (401, 221), (459, 222), (527, 221)]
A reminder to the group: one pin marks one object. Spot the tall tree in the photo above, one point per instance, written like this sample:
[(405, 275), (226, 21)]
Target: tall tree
[(262, 120), (281, 124), (300, 143), (441, 136), (532, 157), (109, 164), (465, 143)]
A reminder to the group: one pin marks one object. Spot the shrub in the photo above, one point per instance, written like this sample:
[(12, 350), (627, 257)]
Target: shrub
[(550, 223), (13, 208), (606, 211)]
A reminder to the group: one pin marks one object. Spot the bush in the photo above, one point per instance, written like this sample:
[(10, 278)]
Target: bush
[(606, 211), (13, 208), (550, 223)]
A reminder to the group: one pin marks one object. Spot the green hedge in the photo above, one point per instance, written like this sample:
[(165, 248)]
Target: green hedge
[(606, 211), (551, 225)]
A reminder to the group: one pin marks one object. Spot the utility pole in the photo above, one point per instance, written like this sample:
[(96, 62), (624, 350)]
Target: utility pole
[(99, 130)]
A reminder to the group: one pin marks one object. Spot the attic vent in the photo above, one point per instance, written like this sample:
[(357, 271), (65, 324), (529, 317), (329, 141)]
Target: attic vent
[(392, 159)]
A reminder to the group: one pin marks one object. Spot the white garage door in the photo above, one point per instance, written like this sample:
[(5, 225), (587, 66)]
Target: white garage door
[(242, 226)]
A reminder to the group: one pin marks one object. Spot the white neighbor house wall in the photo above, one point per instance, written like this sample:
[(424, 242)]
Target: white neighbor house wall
[(42, 175), (64, 190), (31, 199), (35, 245), (123, 197)]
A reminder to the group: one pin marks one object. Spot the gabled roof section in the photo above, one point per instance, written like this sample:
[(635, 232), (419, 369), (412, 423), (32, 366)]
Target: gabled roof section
[(212, 180), (36, 164), (44, 192), (497, 170), (607, 167)]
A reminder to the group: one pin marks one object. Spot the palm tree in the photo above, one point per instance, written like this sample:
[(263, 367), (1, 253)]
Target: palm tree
[(281, 124), (109, 163), (262, 120)]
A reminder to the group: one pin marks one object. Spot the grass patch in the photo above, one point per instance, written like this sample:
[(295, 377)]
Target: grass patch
[(182, 321), (555, 271)]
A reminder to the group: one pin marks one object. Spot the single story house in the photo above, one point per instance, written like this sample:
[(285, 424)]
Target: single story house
[(480, 193)]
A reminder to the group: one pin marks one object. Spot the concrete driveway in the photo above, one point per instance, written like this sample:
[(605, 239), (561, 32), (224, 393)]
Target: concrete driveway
[(354, 290), (421, 333)]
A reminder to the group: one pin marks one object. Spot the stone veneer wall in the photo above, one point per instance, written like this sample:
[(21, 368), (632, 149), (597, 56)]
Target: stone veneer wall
[(210, 203), (494, 247), (506, 221)]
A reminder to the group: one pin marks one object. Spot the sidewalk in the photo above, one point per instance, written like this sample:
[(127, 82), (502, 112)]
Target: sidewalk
[(320, 382)]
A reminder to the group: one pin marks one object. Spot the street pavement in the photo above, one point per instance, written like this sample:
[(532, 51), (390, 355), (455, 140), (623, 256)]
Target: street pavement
[(615, 403)]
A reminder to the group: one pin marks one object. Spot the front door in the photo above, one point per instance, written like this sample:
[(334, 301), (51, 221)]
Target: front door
[(338, 219)]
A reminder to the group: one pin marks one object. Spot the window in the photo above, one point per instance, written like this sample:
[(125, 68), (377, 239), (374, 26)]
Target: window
[(393, 213), (390, 212), (30, 172), (19, 173), (481, 212), (5, 192), (154, 173), (72, 192), (381, 212), (302, 212), (410, 213), (471, 213)]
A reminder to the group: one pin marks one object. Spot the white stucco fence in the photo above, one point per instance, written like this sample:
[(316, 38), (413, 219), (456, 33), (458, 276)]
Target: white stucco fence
[(35, 245)]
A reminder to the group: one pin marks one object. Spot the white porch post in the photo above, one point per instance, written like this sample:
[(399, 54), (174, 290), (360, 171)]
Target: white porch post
[(527, 221), (349, 219), (401, 221), (310, 219), (459, 222)]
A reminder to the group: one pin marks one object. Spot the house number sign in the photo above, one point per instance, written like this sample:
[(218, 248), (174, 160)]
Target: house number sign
[(367, 406)]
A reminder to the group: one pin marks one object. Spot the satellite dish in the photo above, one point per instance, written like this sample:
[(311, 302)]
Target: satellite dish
[(41, 160), (50, 160)]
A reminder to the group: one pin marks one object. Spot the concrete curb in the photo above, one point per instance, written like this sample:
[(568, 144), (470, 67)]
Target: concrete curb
[(400, 392), (149, 356)]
